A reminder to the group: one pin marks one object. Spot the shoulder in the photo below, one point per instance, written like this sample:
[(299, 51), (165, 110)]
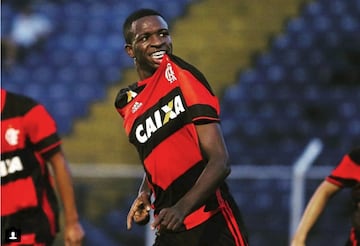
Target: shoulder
[(125, 95), (354, 155), (192, 69), (18, 103)]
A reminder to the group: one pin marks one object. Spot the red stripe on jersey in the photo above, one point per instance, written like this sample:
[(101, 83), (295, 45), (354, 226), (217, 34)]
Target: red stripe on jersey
[(354, 241), (43, 151), (166, 166), (39, 124), (230, 220), (197, 217), (195, 92), (49, 213), (206, 118), (17, 195), (3, 97)]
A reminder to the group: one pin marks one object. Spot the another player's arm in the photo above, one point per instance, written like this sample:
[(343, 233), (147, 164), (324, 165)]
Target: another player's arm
[(73, 232), (140, 209), (313, 210), (216, 170)]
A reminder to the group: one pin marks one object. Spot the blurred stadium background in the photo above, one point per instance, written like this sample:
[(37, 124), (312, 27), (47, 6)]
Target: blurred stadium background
[(286, 71)]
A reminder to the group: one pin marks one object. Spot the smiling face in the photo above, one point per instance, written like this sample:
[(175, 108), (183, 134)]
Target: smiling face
[(150, 41)]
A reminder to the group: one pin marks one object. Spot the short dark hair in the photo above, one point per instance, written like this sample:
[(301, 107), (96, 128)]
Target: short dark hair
[(133, 17)]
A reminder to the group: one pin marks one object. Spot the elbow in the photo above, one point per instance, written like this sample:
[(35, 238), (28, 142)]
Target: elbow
[(226, 169)]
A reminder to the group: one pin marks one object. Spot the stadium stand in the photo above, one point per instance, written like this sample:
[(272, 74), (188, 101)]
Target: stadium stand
[(305, 85)]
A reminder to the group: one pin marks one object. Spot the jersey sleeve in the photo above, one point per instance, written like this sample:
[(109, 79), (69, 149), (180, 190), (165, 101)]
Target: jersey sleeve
[(202, 102), (42, 131), (347, 173)]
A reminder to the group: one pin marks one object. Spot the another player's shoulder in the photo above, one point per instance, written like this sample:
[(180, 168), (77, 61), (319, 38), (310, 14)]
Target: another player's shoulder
[(354, 155), (20, 98), (125, 95), (18, 103), (192, 69)]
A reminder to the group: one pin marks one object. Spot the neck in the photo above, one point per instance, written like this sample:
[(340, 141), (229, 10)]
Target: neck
[(143, 74)]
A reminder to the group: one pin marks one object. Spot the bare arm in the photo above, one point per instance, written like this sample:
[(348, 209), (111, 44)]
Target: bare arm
[(313, 210), (73, 232), (216, 170)]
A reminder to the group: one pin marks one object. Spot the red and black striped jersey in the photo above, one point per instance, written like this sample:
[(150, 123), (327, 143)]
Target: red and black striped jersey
[(347, 173), (28, 138), (160, 114)]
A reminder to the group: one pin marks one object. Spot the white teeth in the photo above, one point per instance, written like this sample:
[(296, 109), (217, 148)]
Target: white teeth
[(158, 54)]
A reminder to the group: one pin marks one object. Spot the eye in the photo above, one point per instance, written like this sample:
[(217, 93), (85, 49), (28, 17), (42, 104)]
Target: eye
[(144, 38), (164, 33)]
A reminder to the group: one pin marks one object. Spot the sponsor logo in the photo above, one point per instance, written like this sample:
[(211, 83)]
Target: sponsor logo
[(159, 118), (9, 166), (131, 95), (136, 106)]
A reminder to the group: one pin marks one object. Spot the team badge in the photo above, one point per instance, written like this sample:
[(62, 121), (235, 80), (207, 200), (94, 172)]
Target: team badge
[(12, 136), (169, 74)]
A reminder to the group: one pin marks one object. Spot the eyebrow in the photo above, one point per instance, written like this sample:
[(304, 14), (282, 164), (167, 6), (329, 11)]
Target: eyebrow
[(149, 33)]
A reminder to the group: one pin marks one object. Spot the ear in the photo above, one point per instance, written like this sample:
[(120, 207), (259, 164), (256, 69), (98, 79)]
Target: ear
[(129, 50)]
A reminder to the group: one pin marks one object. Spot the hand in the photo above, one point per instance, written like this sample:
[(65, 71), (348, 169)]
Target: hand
[(169, 218), (139, 211), (74, 234)]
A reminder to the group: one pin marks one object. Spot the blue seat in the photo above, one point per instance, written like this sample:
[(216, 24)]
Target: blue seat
[(98, 26), (88, 92), (67, 42), (66, 75), (284, 41), (74, 26), (42, 75), (74, 9), (312, 9), (296, 25), (349, 23), (36, 91)]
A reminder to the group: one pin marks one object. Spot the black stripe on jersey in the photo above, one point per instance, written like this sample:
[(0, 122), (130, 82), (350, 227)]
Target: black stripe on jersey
[(345, 181), (203, 111), (193, 70), (28, 161), (154, 118), (17, 103), (178, 188), (355, 155), (46, 142)]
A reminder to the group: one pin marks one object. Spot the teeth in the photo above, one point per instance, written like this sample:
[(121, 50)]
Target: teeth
[(158, 54)]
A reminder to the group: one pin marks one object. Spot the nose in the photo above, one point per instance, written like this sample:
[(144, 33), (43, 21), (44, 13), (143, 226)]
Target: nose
[(157, 40)]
